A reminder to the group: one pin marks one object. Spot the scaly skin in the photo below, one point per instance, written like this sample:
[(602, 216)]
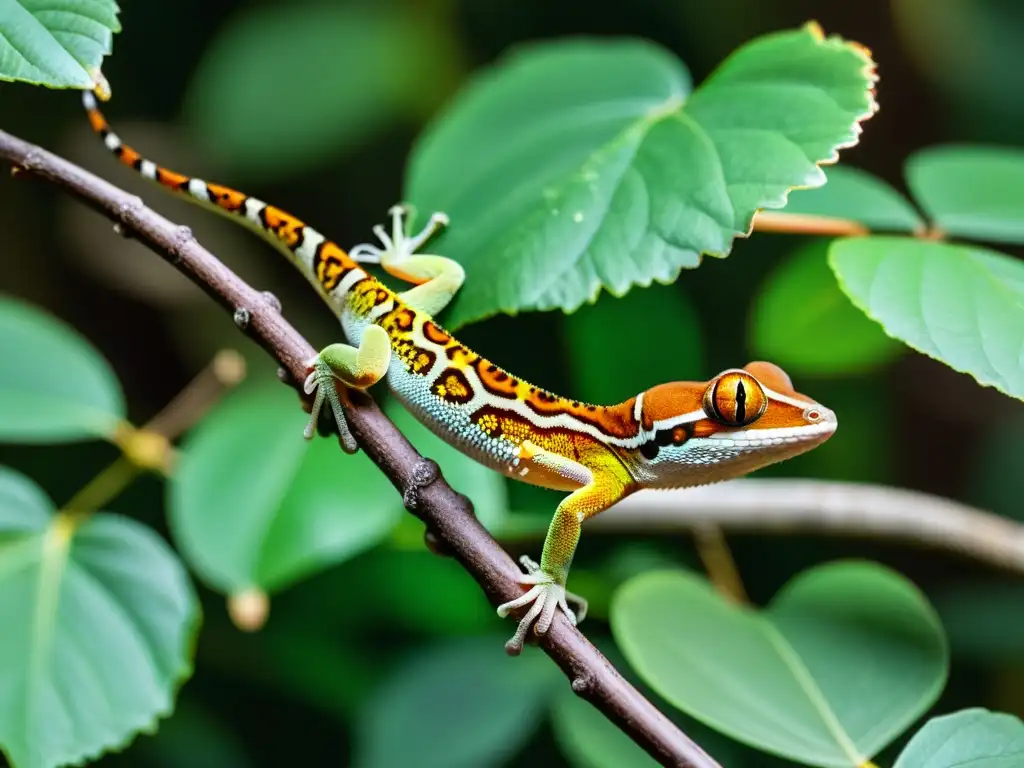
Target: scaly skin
[(673, 435)]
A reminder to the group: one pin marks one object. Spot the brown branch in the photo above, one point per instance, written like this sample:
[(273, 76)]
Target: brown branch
[(777, 505), (449, 517)]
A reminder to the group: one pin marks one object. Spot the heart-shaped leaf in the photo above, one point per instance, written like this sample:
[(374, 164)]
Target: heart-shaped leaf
[(802, 320), (971, 191), (458, 705), (55, 43), (580, 165), (962, 305), (54, 386), (252, 504), (845, 658), (851, 193), (98, 624), (971, 737)]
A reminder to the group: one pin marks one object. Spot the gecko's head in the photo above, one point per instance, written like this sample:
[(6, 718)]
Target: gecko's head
[(743, 419)]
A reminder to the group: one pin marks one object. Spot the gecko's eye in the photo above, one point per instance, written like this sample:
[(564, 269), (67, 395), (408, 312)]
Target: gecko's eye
[(735, 398)]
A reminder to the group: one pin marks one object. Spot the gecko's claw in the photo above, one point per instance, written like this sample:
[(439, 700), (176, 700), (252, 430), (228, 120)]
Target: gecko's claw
[(321, 379), (545, 596)]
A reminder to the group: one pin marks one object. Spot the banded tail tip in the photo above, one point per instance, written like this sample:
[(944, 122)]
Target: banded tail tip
[(100, 86)]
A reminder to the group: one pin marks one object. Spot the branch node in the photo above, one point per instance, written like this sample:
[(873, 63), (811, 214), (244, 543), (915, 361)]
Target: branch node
[(130, 208), (32, 159), (582, 684), (283, 375), (424, 473), (436, 544), (411, 498), (242, 317), (144, 448), (183, 238), (122, 231), (272, 300)]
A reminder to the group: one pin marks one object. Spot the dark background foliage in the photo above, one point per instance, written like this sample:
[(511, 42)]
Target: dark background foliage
[(949, 73)]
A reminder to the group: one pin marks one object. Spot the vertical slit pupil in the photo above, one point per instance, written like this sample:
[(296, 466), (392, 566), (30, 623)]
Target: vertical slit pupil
[(741, 402)]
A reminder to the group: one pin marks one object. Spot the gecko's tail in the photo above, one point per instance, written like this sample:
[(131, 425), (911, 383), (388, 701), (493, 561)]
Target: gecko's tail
[(324, 263)]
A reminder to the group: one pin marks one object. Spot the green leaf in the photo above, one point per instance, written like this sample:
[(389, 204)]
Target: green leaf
[(253, 504), (586, 164), (99, 620), (845, 658), (802, 321), (971, 191), (482, 485), (855, 194), (278, 91), (54, 386), (971, 737), (589, 740), (55, 42), (640, 359), (962, 305), (463, 704)]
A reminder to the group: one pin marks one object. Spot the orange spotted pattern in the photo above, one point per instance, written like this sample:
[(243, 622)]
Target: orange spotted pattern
[(227, 198)]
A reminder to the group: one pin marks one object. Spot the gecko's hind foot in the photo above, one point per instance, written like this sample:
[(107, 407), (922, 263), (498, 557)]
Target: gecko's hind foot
[(322, 381), (544, 598)]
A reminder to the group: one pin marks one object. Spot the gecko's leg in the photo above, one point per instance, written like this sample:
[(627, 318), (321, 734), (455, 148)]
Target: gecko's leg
[(359, 368), (437, 279), (548, 592)]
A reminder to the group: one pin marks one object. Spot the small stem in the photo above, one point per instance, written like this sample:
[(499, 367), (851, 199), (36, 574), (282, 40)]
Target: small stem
[(806, 224), (719, 563), (224, 372), (790, 505), (149, 448), (102, 488)]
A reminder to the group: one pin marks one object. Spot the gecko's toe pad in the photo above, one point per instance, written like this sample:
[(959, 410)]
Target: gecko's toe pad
[(321, 381), (544, 597)]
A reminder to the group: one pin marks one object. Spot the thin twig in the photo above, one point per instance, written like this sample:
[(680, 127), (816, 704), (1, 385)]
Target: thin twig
[(778, 505), (225, 372), (806, 224), (449, 517), (719, 564)]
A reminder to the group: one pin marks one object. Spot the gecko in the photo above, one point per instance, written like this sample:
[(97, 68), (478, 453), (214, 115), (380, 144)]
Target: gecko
[(673, 435)]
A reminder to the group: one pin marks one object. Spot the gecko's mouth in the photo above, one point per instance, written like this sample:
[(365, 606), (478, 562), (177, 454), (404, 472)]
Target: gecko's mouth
[(763, 438)]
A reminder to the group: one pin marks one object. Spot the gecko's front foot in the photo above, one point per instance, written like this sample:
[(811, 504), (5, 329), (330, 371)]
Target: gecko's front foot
[(322, 380), (546, 596)]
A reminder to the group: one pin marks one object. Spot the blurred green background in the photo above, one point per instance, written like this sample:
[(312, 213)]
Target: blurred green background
[(314, 106)]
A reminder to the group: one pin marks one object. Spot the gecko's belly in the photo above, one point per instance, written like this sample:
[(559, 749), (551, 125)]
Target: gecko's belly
[(457, 424)]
